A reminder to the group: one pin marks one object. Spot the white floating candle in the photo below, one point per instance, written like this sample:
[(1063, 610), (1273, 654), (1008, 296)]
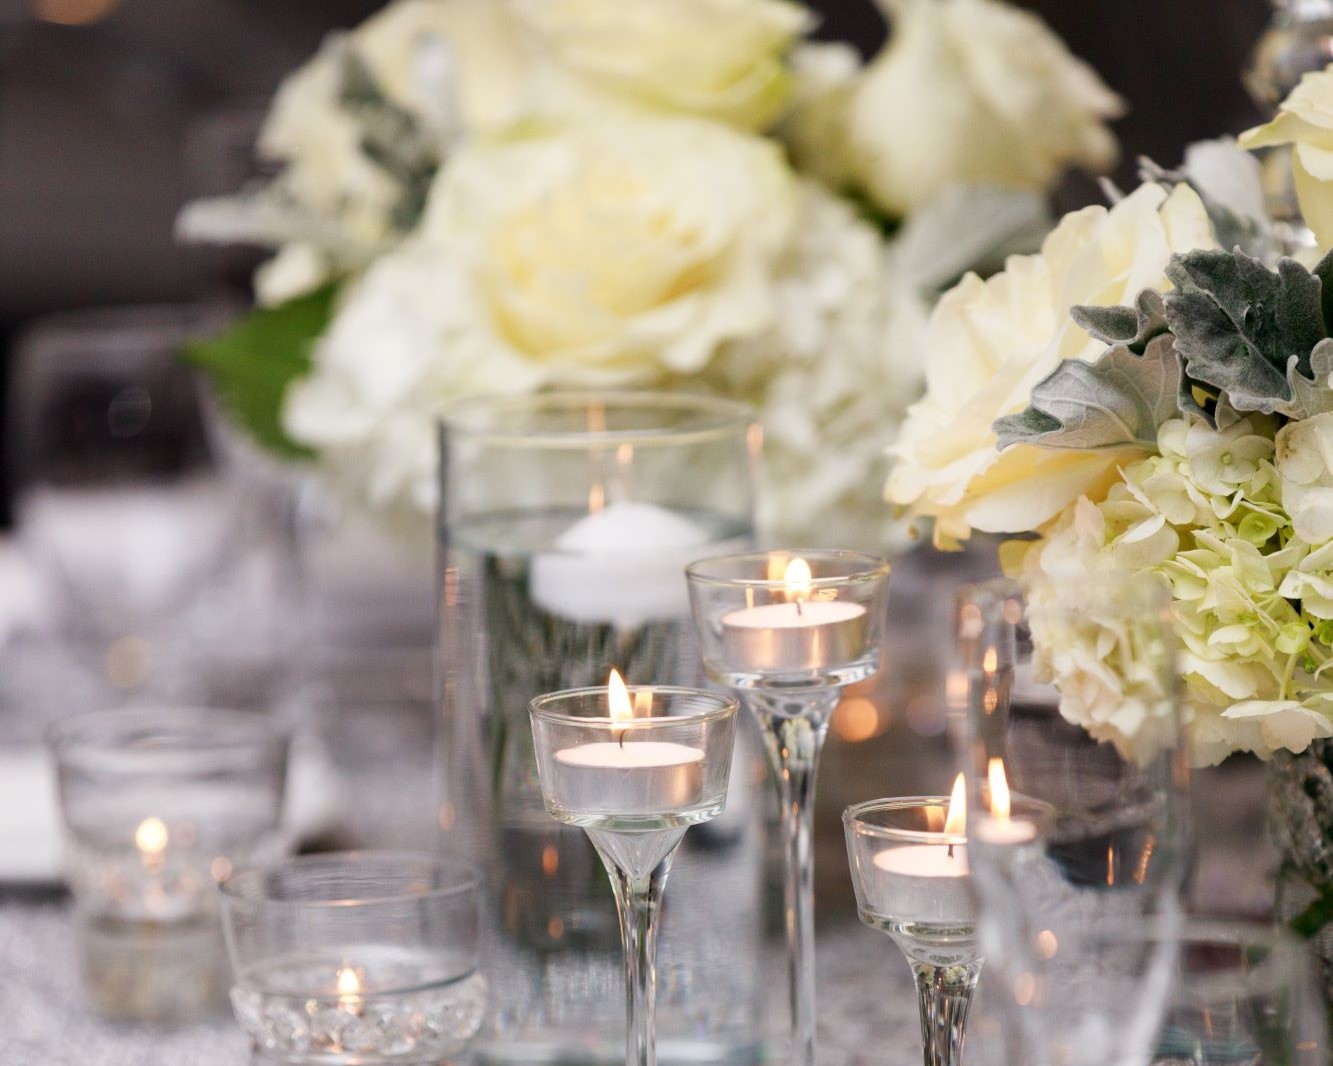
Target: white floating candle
[(621, 565)]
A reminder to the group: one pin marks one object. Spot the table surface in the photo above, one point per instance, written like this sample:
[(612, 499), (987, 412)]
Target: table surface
[(867, 1007)]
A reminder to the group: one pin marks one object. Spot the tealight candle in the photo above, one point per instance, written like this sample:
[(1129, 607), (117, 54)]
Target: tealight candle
[(801, 634), (626, 775), (925, 883), (999, 826)]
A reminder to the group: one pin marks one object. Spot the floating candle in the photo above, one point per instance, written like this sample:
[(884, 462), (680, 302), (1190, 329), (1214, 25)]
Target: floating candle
[(620, 564)]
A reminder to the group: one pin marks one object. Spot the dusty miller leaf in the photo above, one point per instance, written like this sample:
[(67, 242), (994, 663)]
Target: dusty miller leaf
[(1133, 326), (1238, 325), (1118, 401)]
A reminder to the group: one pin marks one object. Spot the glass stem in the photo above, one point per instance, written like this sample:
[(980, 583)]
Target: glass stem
[(794, 730), (638, 878), (944, 994)]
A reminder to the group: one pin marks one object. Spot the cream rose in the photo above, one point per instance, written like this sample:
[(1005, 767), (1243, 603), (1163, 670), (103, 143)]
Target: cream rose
[(989, 342), (720, 59), (974, 91), (1305, 121), (613, 254)]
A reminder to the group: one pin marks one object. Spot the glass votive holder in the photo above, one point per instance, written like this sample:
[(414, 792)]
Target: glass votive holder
[(663, 764), (356, 958), (158, 807), (776, 619)]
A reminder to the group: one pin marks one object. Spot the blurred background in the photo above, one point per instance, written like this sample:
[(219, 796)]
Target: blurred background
[(115, 112)]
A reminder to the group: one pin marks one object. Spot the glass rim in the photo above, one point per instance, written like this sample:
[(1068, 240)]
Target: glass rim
[(471, 883), (725, 705), (217, 729), (874, 567), (852, 819), (716, 418)]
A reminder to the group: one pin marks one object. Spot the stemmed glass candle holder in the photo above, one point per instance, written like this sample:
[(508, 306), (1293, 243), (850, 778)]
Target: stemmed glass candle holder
[(356, 958), (635, 767), (790, 632), (158, 807), (909, 867)]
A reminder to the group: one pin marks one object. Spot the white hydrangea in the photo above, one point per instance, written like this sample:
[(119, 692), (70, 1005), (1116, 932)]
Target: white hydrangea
[(1206, 517), (831, 377)]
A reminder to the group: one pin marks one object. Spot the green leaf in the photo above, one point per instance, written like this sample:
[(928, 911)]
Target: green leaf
[(254, 361), (1119, 401), (1243, 329)]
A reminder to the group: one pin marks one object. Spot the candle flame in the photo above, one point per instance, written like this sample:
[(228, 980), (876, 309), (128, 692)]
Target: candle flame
[(1000, 804), (622, 710), (349, 985), (151, 837), (990, 661), (956, 822), (798, 579)]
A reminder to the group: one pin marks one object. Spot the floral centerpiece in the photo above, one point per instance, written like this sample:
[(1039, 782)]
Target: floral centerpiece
[(1153, 393), (480, 196)]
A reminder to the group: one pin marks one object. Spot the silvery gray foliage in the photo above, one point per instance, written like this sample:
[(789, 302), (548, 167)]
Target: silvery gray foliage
[(1231, 337), (392, 138), (1117, 401), (1256, 336)]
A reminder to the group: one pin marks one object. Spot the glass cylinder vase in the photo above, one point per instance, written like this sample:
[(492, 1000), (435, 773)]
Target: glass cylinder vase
[(566, 523)]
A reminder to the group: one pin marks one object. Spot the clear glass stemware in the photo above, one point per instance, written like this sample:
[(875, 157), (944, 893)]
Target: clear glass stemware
[(1077, 814)]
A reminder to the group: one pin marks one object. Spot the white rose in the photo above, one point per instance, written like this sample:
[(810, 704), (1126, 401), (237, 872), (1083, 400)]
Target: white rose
[(816, 129), (988, 344), (597, 255), (1305, 465), (720, 59), (1305, 121), (974, 91)]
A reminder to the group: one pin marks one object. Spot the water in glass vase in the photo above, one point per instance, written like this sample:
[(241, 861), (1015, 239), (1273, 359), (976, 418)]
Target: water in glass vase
[(536, 602)]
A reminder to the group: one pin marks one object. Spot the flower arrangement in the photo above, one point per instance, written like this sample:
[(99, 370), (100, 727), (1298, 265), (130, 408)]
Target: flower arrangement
[(1153, 393), (480, 196)]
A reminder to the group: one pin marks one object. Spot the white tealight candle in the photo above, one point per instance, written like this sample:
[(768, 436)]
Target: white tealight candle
[(1004, 830), (998, 826), (794, 636), (923, 883), (620, 565), (638, 777)]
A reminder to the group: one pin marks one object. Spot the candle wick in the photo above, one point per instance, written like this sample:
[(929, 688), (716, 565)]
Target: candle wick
[(951, 851), (621, 737), (800, 612)]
